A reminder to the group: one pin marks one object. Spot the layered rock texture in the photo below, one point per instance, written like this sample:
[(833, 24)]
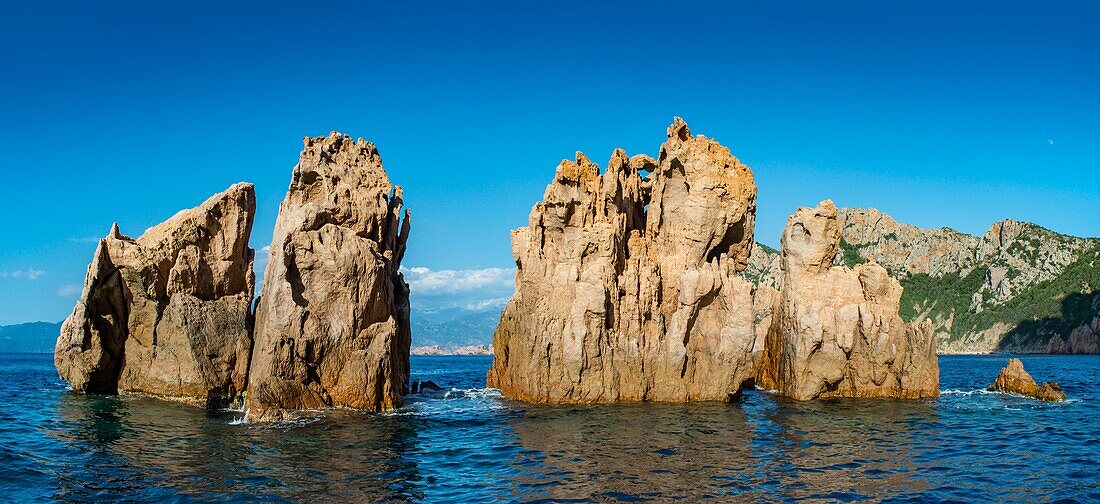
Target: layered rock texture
[(1018, 288), (628, 283), (835, 330), (168, 314), (332, 323), (1015, 380)]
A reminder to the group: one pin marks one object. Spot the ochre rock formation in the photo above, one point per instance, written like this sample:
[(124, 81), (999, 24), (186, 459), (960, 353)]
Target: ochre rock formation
[(332, 323), (835, 331), (628, 285), (1013, 379), (168, 314)]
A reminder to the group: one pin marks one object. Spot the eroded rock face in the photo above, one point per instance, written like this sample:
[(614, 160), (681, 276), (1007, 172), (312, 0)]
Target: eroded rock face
[(332, 324), (1014, 379), (628, 285), (835, 331), (168, 314)]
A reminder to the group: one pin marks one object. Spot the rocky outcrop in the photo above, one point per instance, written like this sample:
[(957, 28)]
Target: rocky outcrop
[(1014, 379), (835, 331), (332, 323), (628, 283), (168, 314)]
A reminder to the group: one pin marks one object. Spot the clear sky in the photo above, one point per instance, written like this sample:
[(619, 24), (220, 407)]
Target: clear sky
[(939, 113)]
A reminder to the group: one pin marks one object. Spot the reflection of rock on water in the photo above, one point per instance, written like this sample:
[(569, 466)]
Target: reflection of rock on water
[(766, 449), (676, 451), (135, 445), (837, 447)]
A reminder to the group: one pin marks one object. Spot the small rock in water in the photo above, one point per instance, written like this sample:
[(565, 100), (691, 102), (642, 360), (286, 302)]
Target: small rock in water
[(430, 385), (1014, 379)]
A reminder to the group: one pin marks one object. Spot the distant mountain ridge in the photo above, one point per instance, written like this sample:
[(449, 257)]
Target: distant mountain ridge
[(450, 330), (31, 337), (453, 329), (1017, 288)]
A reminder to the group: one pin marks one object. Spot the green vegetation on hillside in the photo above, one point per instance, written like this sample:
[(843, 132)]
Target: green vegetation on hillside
[(1054, 306), (850, 253), (948, 294)]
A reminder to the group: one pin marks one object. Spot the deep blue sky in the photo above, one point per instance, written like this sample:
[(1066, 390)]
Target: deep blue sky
[(941, 114)]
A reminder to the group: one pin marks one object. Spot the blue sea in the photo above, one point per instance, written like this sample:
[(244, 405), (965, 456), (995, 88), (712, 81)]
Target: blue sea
[(470, 445)]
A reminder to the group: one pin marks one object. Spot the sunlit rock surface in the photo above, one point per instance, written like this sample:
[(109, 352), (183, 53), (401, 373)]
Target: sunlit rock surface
[(332, 323), (168, 314), (628, 284), (835, 331)]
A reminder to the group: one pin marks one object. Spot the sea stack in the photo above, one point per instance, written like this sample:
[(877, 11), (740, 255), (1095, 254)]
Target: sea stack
[(168, 314), (332, 323), (627, 282), (1015, 380), (836, 331)]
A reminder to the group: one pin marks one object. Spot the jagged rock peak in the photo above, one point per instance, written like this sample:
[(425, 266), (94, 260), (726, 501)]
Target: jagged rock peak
[(628, 283), (340, 148), (168, 314), (332, 324)]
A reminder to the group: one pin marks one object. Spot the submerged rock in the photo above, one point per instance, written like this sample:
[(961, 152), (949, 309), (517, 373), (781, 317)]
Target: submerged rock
[(168, 314), (628, 285), (1014, 379), (332, 323), (835, 331)]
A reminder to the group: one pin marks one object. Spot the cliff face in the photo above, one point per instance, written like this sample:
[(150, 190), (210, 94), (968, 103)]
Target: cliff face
[(1018, 288), (629, 286), (168, 314), (836, 331), (332, 323)]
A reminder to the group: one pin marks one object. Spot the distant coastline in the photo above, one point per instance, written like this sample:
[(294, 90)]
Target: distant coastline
[(462, 350)]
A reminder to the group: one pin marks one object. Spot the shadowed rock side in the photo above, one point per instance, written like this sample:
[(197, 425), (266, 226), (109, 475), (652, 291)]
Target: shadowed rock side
[(1015, 380), (628, 285), (168, 314), (332, 324), (836, 331)]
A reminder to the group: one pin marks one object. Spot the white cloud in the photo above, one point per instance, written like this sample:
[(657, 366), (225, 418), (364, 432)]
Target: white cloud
[(427, 282), (27, 274), (486, 304), (69, 290), (262, 255), (465, 289)]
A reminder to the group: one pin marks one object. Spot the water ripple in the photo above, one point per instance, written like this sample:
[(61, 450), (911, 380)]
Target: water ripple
[(468, 444)]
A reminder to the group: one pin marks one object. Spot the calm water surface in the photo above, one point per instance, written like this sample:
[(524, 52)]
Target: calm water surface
[(472, 446)]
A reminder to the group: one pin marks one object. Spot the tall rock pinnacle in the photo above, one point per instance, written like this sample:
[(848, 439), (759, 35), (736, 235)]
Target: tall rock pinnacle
[(332, 324)]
